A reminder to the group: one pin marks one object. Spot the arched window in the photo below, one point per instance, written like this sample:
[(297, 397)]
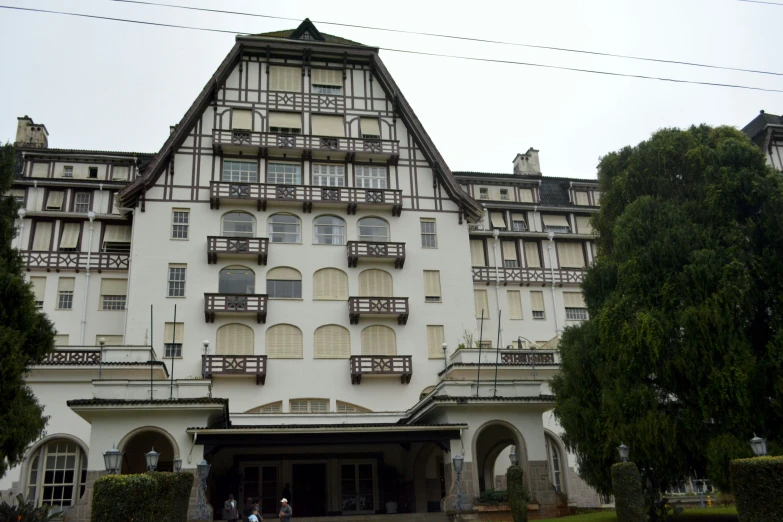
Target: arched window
[(235, 339), (272, 407), (330, 284), (375, 283), (237, 280), (284, 282), (238, 224), (285, 228), (284, 341), (379, 340), (555, 463), (57, 473), (426, 391), (373, 229), (347, 407), (329, 230), (332, 342)]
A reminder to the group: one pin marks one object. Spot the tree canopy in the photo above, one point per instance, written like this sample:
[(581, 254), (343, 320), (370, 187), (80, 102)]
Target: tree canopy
[(681, 357), (26, 335)]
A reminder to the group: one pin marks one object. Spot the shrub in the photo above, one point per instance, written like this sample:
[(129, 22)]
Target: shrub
[(627, 489), (517, 496), (758, 488), (492, 496), (25, 512), (150, 497)]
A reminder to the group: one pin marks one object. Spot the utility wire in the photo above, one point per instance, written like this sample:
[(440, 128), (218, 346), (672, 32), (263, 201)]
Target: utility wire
[(465, 38), (422, 53), (761, 2)]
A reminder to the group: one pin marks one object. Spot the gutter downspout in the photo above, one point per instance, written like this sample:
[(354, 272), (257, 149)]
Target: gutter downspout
[(91, 217), (495, 234), (550, 247)]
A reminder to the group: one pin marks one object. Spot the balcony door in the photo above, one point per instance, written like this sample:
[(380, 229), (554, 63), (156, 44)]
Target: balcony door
[(237, 280), (261, 483)]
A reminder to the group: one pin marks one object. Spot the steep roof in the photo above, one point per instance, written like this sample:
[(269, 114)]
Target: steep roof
[(759, 123), (554, 190), (308, 31)]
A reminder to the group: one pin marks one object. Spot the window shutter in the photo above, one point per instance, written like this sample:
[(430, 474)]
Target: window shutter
[(66, 284), (55, 200), (327, 125), (114, 286), (570, 255), (432, 283), (435, 339), (235, 339), (326, 77), (70, 237), (369, 126), (43, 235), (330, 284), (498, 220), (39, 287), (582, 198), (531, 253), (509, 251), (515, 304), (174, 335), (61, 340), (375, 283), (537, 301), (574, 300), (555, 220), (289, 120), (526, 195), (287, 79), (518, 217), (40, 170), (379, 340), (482, 304), (583, 225), (332, 342), (113, 340), (284, 341), (120, 173), (117, 234), (241, 119), (477, 257), (284, 273)]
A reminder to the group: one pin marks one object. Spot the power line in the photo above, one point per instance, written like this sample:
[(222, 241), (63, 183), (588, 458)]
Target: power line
[(465, 38), (761, 2), (422, 53)]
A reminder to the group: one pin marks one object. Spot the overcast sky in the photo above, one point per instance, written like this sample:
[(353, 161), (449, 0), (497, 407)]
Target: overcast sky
[(118, 86)]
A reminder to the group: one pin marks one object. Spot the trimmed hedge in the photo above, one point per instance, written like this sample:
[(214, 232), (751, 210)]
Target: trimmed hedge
[(517, 496), (148, 497), (758, 488), (627, 490)]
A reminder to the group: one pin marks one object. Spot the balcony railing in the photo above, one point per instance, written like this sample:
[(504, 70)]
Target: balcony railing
[(237, 246), (241, 365), (527, 357), (376, 251), (46, 260), (73, 357), (381, 365), (261, 193), (235, 304), (305, 101), (529, 276), (358, 306)]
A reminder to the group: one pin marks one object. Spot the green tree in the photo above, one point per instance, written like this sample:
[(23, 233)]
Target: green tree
[(26, 335), (681, 358)]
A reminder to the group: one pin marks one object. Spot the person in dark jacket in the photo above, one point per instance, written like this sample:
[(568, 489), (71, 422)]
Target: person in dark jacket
[(230, 511)]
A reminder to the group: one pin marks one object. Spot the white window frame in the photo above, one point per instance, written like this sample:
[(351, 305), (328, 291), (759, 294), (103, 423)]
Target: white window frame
[(285, 235), (34, 487), (113, 303), (371, 177), (504, 194), (77, 204), (318, 236), (65, 297), (373, 238), (67, 171), (333, 90), (288, 178), (309, 403), (429, 239), (332, 175), (235, 233), (237, 171), (483, 193), (576, 314), (180, 224), (173, 283)]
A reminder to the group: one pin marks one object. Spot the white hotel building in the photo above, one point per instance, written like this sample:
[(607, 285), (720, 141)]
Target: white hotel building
[(329, 272)]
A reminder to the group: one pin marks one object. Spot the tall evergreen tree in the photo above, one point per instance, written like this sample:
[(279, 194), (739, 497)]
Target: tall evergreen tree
[(682, 356), (26, 335)]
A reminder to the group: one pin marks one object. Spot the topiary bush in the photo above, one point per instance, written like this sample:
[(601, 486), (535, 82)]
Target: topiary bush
[(627, 490), (148, 497), (758, 488), (492, 497), (517, 496)]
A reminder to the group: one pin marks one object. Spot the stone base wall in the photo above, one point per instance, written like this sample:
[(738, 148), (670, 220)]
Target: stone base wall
[(541, 488), (82, 510), (580, 493)]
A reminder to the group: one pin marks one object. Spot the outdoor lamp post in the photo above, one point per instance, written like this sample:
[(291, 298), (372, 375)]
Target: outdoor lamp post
[(177, 465), (513, 457), (112, 459), (622, 449), (458, 461), (202, 469), (152, 459), (759, 446)]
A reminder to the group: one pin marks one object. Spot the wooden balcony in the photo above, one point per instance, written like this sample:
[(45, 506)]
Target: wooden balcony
[(383, 306), (235, 304), (529, 276), (376, 251), (234, 365), (76, 261), (261, 194), (381, 365), (235, 247)]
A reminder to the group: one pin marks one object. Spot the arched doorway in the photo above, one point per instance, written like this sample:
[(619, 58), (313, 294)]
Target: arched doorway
[(491, 447), (138, 443), (429, 480)]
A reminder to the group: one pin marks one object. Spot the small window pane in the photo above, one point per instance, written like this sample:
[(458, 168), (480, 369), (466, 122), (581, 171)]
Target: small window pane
[(177, 281), (329, 230), (373, 229), (329, 175), (284, 228), (429, 238), (238, 224), (180, 221), (284, 174), (371, 177), (65, 300), (240, 171)]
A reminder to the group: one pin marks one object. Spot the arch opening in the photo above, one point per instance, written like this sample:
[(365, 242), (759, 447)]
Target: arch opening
[(138, 443), (492, 445)]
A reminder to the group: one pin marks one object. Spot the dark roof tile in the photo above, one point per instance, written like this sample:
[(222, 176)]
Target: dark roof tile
[(129, 402)]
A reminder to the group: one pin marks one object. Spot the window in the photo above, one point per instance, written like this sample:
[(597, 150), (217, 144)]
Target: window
[(435, 340), (375, 283), (68, 171), (515, 304), (18, 195), (483, 193), (347, 407), (327, 89), (357, 488), (485, 345), (510, 259), (328, 175), (120, 173), (42, 238), (173, 335), (429, 238), (117, 238), (284, 341), (237, 280), (284, 283), (482, 304), (532, 254), (373, 229), (93, 173), (240, 171), (284, 173), (477, 255), (177, 280), (555, 463), (518, 223), (113, 294), (65, 287), (54, 200), (284, 228), (526, 195), (69, 239), (369, 128), (330, 284), (40, 170), (556, 223), (333, 126), (287, 79), (235, 339), (329, 230), (575, 307), (180, 221), (81, 202), (57, 475), (379, 340), (582, 198), (113, 302), (371, 177), (39, 289), (309, 405), (272, 407), (332, 342), (537, 304), (570, 254), (61, 340), (432, 286), (241, 119), (285, 123), (498, 220), (504, 194), (583, 225), (238, 224)]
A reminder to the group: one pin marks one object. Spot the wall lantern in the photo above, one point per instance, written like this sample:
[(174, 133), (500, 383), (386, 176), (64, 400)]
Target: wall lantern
[(112, 459), (759, 446), (622, 449), (152, 459), (177, 465)]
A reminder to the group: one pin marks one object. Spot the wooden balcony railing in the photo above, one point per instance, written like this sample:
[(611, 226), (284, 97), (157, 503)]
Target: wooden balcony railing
[(376, 251), (379, 365), (237, 246), (378, 306), (527, 357), (529, 276), (305, 101), (76, 261), (235, 304), (261, 193), (243, 365), (73, 357)]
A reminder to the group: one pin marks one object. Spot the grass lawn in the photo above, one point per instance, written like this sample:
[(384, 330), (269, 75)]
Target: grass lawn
[(689, 515)]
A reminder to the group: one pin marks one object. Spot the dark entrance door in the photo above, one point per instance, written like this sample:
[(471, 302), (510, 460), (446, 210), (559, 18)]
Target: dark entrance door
[(308, 490)]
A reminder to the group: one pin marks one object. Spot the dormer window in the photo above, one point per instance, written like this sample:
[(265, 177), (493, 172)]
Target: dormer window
[(498, 220), (581, 198), (504, 194), (93, 172), (68, 171), (483, 193)]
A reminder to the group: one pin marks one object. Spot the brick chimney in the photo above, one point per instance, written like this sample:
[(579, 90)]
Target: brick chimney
[(527, 163), (30, 134)]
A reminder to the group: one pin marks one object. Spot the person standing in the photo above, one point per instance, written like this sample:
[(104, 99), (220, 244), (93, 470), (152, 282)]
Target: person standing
[(285, 511), (254, 517), (230, 511)]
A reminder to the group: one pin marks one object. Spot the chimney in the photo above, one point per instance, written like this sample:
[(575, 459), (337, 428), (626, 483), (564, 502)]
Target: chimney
[(527, 163), (30, 134)]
